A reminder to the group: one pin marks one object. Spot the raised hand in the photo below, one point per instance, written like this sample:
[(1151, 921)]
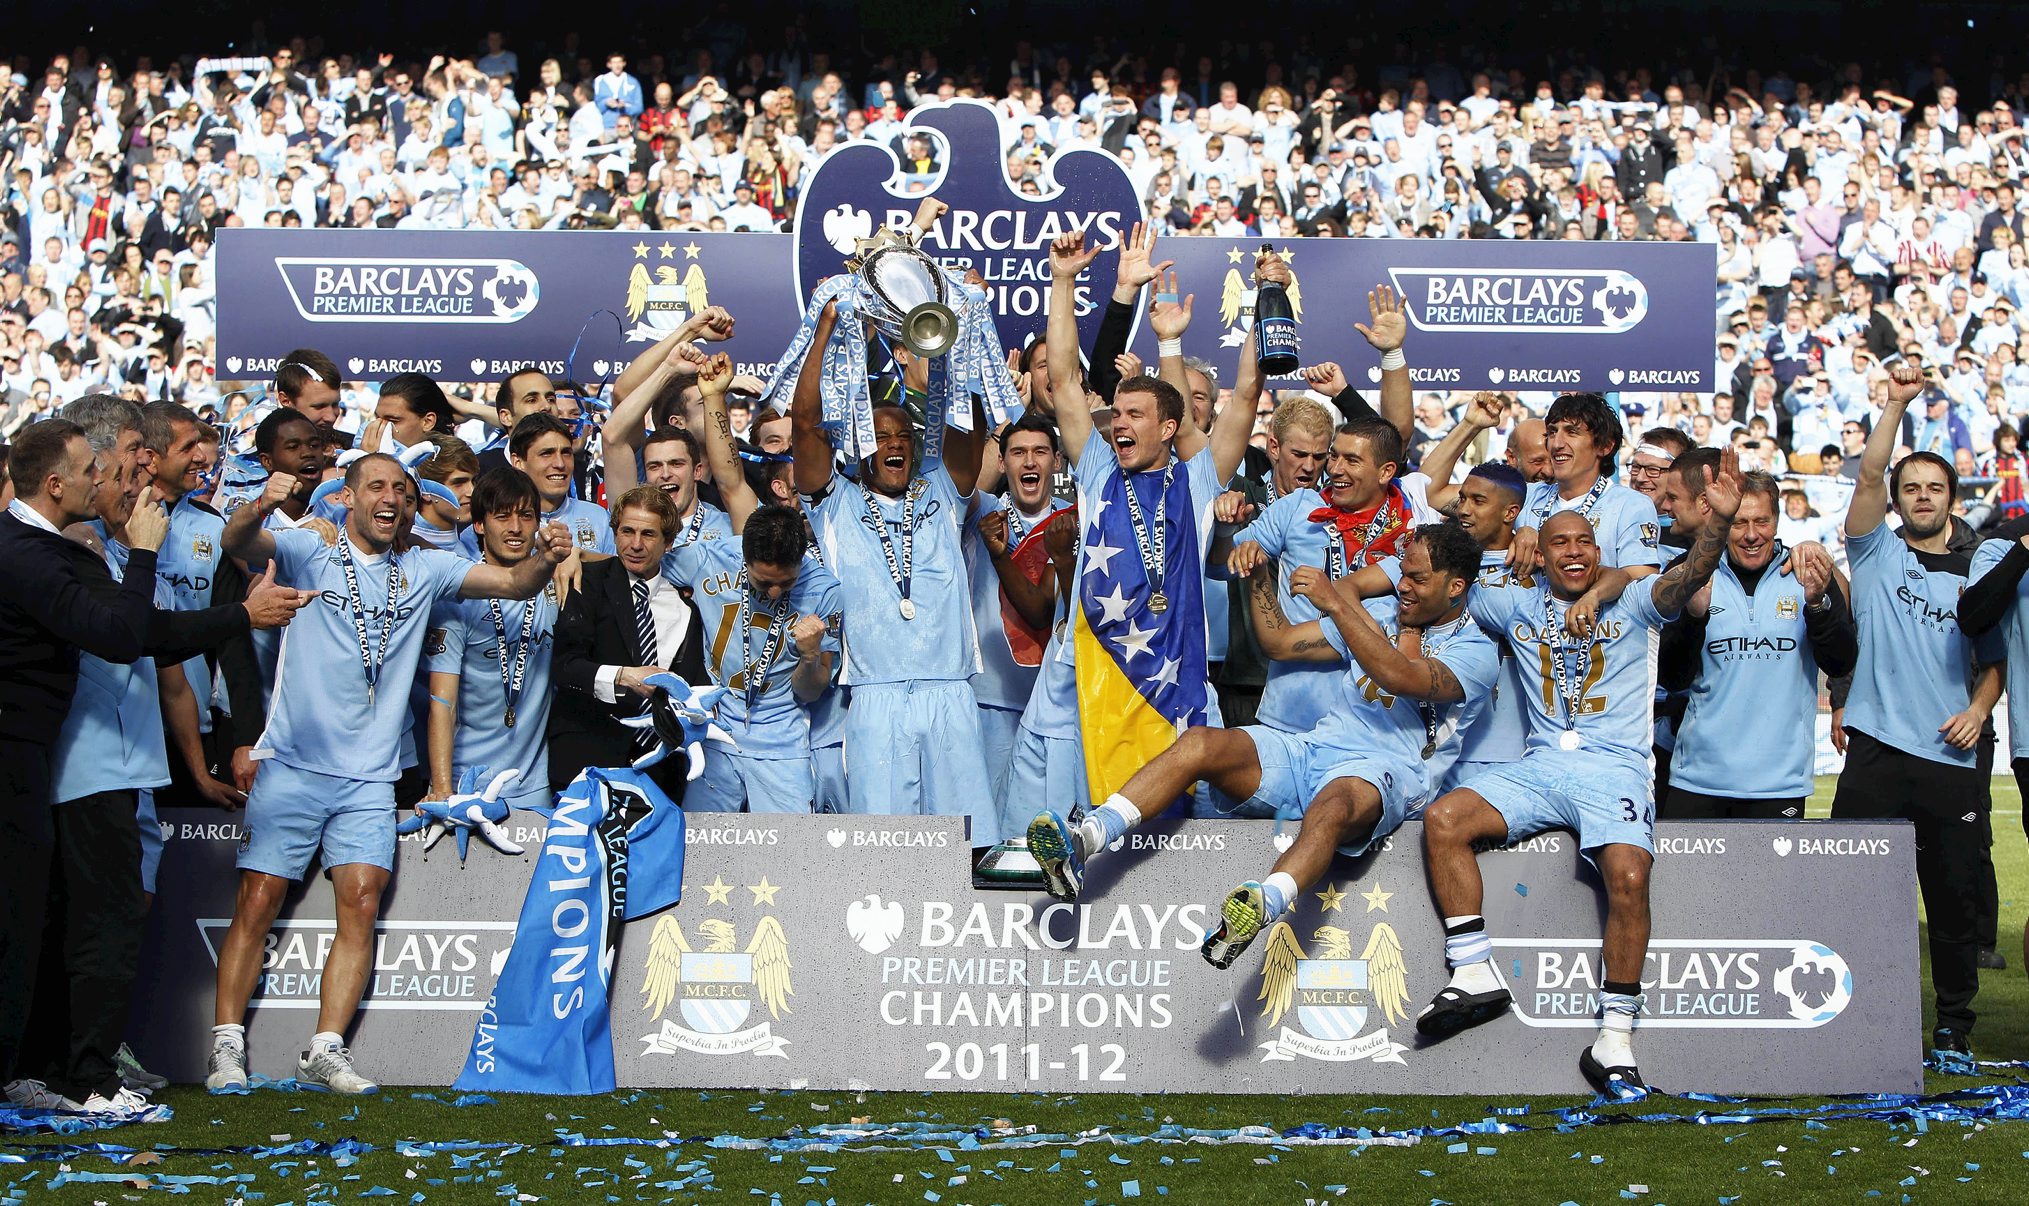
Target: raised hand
[(1069, 256), (1812, 567), (1722, 492), (280, 488), (1485, 409), (1523, 556), (1389, 322), (683, 358), (1270, 266), (1327, 378), (808, 633), (715, 324), (715, 375), (1127, 364), (1905, 381), (1137, 255), (1170, 319)]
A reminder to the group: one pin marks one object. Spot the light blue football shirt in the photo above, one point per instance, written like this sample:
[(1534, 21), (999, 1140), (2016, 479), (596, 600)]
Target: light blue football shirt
[(465, 641), (939, 644), (319, 718), (778, 726), (1614, 676), (1368, 720), (1750, 723), (1916, 663), (1623, 520)]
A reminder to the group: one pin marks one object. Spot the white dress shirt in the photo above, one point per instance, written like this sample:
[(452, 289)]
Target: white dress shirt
[(672, 625)]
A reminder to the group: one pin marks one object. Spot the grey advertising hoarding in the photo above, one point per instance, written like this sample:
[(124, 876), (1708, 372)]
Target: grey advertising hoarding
[(1784, 961)]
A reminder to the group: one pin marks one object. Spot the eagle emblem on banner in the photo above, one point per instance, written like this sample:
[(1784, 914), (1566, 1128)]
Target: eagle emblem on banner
[(1332, 994)]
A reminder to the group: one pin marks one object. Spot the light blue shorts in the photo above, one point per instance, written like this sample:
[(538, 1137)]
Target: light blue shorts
[(1294, 769), (912, 749), (997, 734), (1605, 801), (294, 814), (827, 772), (730, 780), (1045, 773), (151, 838)]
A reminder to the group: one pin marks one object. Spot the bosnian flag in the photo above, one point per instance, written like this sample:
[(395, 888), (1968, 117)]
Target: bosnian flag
[(1141, 672), (614, 852)]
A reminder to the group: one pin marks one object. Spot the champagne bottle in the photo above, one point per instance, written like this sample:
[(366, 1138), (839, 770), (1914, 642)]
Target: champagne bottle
[(1274, 328)]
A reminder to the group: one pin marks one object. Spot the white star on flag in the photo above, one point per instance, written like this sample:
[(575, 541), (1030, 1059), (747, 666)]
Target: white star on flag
[(1097, 555), (1134, 642), (1113, 607), (1092, 505), (1167, 676)]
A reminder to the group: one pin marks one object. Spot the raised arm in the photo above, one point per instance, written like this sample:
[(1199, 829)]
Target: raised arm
[(626, 429), (713, 379), (1689, 576), (1399, 673), (964, 450), (526, 578), (1439, 464), (1390, 326), (1869, 505), (244, 536), (1068, 257), (1232, 426), (807, 440)]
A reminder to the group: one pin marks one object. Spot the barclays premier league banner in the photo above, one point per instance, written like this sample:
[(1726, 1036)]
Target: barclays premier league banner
[(468, 305), (852, 952)]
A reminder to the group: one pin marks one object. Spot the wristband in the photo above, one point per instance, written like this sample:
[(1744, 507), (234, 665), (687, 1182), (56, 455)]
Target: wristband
[(1393, 359), (1169, 347)]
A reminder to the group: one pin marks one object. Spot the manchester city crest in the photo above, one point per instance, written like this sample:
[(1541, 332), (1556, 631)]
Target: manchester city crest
[(1332, 995)]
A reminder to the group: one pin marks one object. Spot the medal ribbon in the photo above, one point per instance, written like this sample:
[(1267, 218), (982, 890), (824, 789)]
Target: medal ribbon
[(511, 681), (357, 609), (1568, 683), (754, 670), (902, 571), (1150, 546)]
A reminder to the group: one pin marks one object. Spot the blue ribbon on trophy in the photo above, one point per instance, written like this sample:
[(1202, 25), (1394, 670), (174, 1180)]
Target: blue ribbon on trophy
[(894, 288)]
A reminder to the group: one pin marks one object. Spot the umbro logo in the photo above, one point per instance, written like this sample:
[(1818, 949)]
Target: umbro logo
[(1914, 575), (1713, 611), (1970, 817)]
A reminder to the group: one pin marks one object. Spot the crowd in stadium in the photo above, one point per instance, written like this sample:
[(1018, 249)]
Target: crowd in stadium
[(1306, 560)]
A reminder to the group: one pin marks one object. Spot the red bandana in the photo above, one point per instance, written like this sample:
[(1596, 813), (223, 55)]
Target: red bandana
[(1372, 534)]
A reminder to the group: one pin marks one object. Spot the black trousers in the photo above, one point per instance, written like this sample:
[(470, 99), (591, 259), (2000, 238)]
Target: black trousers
[(1696, 806), (1948, 805), (1990, 889), (28, 843), (1238, 704), (89, 947), (1664, 759)]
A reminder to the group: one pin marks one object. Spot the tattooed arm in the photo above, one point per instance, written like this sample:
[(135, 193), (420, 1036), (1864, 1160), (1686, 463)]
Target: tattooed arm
[(1280, 639), (1394, 669), (1689, 576)]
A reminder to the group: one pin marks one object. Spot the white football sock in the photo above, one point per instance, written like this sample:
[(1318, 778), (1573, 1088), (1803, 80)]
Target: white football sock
[(1280, 890), (232, 1034), (325, 1040)]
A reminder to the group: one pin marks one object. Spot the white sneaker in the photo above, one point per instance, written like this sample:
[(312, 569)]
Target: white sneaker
[(35, 1095), (332, 1069), (124, 1105), (226, 1070)]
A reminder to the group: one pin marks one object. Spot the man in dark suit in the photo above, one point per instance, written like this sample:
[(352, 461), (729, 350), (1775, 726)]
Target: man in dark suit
[(58, 599), (623, 624)]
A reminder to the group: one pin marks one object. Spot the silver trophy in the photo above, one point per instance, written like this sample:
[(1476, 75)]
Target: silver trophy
[(904, 294)]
